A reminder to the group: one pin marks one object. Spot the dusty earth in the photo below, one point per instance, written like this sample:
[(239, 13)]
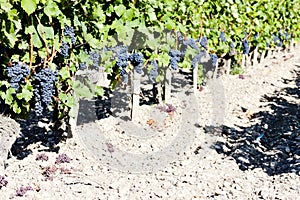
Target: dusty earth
[(245, 145)]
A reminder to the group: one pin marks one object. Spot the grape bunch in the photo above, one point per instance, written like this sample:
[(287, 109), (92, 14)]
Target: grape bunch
[(95, 57), (222, 36), (174, 58), (192, 43), (17, 73), (231, 46), (256, 35), (277, 40), (245, 46), (44, 81), (203, 42), (154, 71), (64, 49), (136, 60), (124, 76), (197, 59), (214, 59), (69, 31), (82, 66)]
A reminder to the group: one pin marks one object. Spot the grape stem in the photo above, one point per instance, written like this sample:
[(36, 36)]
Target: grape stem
[(31, 52)]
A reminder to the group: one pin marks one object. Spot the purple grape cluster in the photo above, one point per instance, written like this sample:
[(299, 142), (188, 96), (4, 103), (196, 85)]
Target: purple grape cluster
[(245, 46), (277, 40), (82, 66), (69, 31), (174, 58), (17, 73), (154, 71), (222, 36), (203, 42), (64, 49), (22, 190), (136, 60), (62, 158), (231, 46), (44, 81), (95, 57), (214, 59), (256, 36), (197, 59), (192, 43), (3, 181), (124, 76)]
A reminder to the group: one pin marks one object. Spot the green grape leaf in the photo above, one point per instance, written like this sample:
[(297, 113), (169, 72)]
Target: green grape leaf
[(29, 5)]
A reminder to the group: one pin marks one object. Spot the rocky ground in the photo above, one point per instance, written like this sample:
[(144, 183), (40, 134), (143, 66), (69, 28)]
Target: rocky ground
[(244, 144)]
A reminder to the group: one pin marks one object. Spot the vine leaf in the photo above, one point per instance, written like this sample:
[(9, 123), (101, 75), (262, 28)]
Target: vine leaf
[(29, 5)]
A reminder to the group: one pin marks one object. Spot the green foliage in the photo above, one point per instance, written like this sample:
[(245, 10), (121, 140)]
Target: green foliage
[(32, 31)]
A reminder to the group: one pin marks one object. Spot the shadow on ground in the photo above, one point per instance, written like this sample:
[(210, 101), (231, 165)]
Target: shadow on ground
[(273, 143)]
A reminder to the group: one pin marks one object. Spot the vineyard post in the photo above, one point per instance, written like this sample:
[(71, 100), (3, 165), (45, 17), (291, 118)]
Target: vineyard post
[(228, 66), (255, 55), (244, 58), (216, 70), (168, 78), (136, 83), (195, 78), (262, 56), (292, 45)]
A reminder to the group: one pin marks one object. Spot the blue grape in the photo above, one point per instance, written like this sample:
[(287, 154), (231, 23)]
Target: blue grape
[(17, 73), (122, 57), (174, 58), (95, 57), (203, 42), (256, 36), (124, 77), (69, 31), (214, 59), (192, 43), (222, 36), (136, 60), (82, 66), (232, 47), (197, 59), (154, 71), (64, 50), (277, 40), (180, 37), (44, 81), (245, 45)]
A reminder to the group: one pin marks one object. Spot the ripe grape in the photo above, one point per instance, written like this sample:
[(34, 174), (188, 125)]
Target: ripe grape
[(197, 59), (214, 59), (174, 58), (17, 73), (222, 36), (64, 50), (192, 43), (44, 81), (245, 45), (277, 40), (69, 31), (203, 42), (256, 36), (154, 71), (95, 57), (136, 60), (124, 77), (231, 48), (82, 66)]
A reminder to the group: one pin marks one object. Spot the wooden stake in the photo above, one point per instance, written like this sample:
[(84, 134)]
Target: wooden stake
[(195, 78), (136, 84), (255, 55), (168, 77), (228, 66)]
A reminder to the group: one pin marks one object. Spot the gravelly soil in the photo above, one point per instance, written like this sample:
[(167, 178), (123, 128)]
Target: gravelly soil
[(246, 147)]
